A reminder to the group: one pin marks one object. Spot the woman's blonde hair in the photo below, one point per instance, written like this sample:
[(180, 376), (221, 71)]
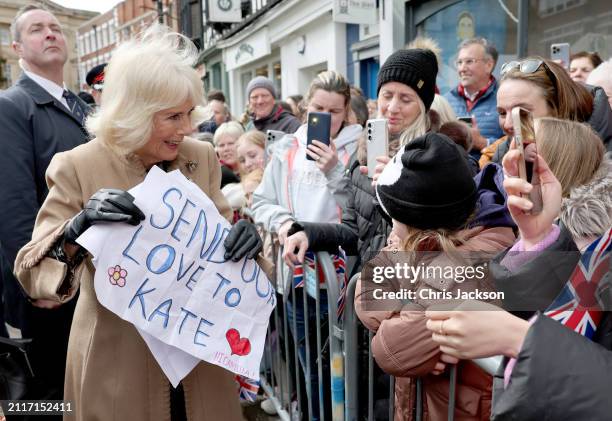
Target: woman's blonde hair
[(444, 109), (255, 137), (330, 81), (147, 74), (231, 128), (572, 150)]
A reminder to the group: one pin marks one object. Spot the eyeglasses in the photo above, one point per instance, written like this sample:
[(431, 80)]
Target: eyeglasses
[(468, 61), (531, 65)]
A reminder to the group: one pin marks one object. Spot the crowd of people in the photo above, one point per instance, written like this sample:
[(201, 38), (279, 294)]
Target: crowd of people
[(450, 184)]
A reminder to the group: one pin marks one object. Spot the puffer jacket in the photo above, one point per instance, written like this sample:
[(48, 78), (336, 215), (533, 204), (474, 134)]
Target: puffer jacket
[(279, 119), (601, 117), (363, 231), (403, 347)]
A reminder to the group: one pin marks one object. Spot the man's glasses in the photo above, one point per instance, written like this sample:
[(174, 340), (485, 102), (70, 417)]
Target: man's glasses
[(531, 65), (468, 61)]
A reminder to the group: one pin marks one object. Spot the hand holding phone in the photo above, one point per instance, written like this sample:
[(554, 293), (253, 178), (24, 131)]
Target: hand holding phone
[(560, 53), (377, 141), (525, 142), (467, 119), (272, 136), (319, 128)]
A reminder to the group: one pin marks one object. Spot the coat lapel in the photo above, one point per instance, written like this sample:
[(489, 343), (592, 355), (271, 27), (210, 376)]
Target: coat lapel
[(42, 97)]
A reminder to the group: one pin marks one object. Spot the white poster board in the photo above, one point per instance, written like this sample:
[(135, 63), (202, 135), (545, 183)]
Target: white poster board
[(168, 277)]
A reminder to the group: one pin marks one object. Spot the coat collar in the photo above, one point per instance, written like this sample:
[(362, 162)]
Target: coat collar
[(181, 163), (42, 97)]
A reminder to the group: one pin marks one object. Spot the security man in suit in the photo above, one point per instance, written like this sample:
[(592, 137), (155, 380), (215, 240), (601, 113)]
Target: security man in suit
[(39, 117)]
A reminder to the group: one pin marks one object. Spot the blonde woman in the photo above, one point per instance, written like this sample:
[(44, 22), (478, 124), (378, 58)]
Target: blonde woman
[(224, 139), (251, 151), (406, 89), (143, 122)]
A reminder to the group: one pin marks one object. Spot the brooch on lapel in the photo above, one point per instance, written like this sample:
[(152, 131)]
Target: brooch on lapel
[(191, 166)]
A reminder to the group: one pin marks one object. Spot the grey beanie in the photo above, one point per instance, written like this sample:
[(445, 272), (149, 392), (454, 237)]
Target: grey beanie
[(260, 82)]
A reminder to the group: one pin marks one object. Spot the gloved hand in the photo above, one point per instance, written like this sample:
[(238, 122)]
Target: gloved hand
[(106, 205), (243, 239)]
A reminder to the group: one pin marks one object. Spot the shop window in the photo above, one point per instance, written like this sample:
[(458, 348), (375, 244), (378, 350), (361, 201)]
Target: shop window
[(276, 78), (467, 19), (262, 71), (5, 35), (245, 78), (585, 28), (215, 71)]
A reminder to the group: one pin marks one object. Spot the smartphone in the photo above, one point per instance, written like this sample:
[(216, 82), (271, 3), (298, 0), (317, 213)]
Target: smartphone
[(272, 136), (377, 142), (466, 119), (525, 141), (319, 128), (561, 52)]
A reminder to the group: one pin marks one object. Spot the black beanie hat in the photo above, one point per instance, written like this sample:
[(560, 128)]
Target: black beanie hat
[(428, 184), (416, 68)]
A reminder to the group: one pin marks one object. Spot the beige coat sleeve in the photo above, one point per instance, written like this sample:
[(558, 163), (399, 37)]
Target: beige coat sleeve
[(42, 277), (216, 195)]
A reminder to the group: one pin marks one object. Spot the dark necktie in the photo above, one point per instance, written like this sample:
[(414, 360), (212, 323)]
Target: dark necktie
[(74, 106)]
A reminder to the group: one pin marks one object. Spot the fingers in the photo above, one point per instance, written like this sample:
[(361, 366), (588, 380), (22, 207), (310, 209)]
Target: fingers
[(312, 154), (302, 252), (116, 201), (517, 186), (510, 163), (449, 359), (288, 257), (231, 242), (519, 203), (46, 304), (450, 351), (250, 245), (363, 169)]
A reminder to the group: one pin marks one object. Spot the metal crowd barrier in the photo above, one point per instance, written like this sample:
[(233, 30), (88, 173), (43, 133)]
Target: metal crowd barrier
[(281, 369)]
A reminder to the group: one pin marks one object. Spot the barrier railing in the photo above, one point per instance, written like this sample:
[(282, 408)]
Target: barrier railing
[(291, 356)]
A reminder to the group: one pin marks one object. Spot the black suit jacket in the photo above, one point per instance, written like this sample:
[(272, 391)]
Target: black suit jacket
[(34, 126)]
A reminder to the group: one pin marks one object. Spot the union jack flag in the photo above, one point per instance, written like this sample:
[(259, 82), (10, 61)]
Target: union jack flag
[(577, 307), (339, 261), (247, 388)]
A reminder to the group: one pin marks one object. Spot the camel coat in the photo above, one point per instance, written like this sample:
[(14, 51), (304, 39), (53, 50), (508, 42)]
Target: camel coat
[(110, 373)]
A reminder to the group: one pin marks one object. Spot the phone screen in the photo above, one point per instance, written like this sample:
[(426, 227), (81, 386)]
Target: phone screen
[(319, 127)]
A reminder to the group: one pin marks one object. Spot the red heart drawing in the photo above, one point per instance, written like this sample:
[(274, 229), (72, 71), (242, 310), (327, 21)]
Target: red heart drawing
[(239, 346)]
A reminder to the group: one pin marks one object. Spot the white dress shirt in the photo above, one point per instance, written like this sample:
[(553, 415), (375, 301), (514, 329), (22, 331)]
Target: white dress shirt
[(53, 88)]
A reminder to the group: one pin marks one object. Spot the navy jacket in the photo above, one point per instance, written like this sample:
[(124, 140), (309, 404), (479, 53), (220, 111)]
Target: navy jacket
[(485, 111), (34, 126)]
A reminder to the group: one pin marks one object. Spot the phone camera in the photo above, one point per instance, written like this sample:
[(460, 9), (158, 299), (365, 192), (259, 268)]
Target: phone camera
[(314, 121), (369, 131)]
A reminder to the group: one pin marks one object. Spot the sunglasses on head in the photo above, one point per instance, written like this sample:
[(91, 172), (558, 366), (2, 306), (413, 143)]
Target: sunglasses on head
[(528, 66)]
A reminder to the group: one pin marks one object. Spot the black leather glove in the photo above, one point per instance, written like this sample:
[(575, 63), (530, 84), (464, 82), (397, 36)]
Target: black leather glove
[(243, 239), (106, 205)]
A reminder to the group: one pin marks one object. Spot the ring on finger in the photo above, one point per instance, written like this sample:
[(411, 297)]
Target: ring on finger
[(442, 327)]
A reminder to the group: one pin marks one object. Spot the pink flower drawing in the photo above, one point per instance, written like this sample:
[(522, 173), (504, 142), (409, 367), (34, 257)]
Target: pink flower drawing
[(117, 275)]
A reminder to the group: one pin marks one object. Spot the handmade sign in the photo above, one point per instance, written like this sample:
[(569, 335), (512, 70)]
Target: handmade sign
[(168, 277)]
